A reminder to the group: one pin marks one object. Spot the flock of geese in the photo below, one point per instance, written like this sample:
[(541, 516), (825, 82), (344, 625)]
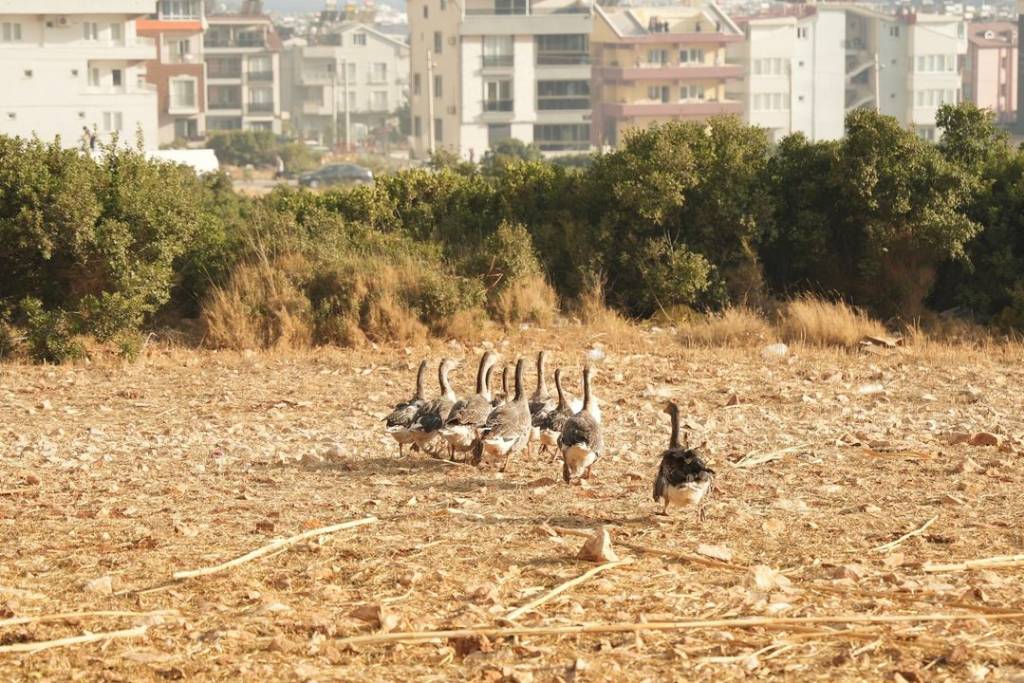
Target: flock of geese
[(496, 427)]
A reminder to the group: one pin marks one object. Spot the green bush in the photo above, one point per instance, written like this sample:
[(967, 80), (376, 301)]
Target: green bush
[(51, 335)]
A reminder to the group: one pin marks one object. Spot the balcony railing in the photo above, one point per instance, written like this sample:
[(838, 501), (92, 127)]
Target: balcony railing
[(225, 105), (229, 73), (562, 103), (498, 105), (261, 107), (243, 40), (497, 60), (261, 75), (562, 58)]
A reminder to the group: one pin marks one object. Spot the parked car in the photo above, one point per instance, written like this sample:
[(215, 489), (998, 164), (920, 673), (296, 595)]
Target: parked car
[(336, 174)]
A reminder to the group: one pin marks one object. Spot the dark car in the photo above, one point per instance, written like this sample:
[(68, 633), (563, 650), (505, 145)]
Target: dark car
[(336, 174)]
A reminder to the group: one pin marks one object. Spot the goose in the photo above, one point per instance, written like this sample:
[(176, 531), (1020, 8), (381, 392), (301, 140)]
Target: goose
[(683, 477), (580, 441), (460, 430), (551, 425), (432, 416), (507, 428), (404, 414), (540, 403), (503, 396)]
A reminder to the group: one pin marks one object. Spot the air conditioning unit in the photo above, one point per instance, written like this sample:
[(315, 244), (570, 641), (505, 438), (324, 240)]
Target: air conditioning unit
[(57, 22), (451, 109), (451, 40)]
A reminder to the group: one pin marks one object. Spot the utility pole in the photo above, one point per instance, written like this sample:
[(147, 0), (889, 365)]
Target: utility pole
[(334, 101), (792, 96), (430, 102), (348, 121), (878, 85)]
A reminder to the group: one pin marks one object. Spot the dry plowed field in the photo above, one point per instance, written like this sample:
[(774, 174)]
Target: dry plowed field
[(861, 498)]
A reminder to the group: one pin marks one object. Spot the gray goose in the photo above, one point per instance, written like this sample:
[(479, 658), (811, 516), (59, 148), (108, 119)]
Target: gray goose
[(540, 403), (503, 396), (432, 416), (683, 480), (551, 425), (580, 442), (507, 428), (460, 430), (404, 414)]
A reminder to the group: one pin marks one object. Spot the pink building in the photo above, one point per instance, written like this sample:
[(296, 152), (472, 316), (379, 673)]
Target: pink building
[(990, 69)]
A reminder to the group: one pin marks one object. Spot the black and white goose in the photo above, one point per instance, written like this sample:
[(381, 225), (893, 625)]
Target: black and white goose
[(460, 431), (400, 421), (581, 442), (541, 402), (432, 416), (551, 426), (683, 480), (507, 428)]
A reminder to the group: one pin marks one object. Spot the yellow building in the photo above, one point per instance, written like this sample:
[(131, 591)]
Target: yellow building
[(656, 64)]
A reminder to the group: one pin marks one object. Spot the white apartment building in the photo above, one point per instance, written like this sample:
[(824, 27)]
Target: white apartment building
[(795, 67), (488, 70), (243, 73), (810, 66), (67, 64), (345, 72)]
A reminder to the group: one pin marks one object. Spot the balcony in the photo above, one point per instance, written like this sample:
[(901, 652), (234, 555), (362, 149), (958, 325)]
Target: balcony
[(315, 108), (242, 40), (563, 103), (659, 72), (498, 105), (497, 61), (225, 105), (673, 109), (265, 76), (563, 58), (261, 108)]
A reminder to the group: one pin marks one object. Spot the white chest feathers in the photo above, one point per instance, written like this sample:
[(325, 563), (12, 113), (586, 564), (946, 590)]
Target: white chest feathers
[(578, 458), (688, 494)]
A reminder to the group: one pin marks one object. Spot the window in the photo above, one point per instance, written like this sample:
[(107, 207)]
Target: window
[(444, 5), (498, 51), (351, 101), (186, 129), (117, 77), (379, 72), (260, 68), (438, 130), (10, 32), (694, 55), (94, 77), (563, 49), (498, 95), (692, 92), (438, 41), (426, 11), (359, 39), (350, 72), (261, 100), (415, 84), (224, 67), (437, 86), (658, 93), (555, 95), (417, 126), (756, 67), (657, 57), (498, 132), (180, 50), (183, 93), (562, 136), (116, 32), (91, 30), (112, 121), (179, 9), (379, 101), (894, 31), (801, 32)]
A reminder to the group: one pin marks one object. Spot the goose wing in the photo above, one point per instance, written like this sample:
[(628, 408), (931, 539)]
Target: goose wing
[(508, 419), (581, 429), (474, 412), (680, 467), (404, 414)]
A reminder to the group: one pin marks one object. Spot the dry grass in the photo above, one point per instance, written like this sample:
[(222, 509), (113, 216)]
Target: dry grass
[(187, 460), (259, 308), (817, 322), (596, 317), (526, 300), (731, 327)]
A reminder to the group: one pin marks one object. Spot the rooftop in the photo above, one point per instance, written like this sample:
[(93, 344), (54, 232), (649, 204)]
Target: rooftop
[(992, 34)]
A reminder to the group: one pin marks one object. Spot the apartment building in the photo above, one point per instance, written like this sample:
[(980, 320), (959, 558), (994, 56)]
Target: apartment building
[(656, 64), (794, 67), (243, 72), (178, 71), (344, 75), (990, 68), (68, 65), (906, 64), (488, 70)]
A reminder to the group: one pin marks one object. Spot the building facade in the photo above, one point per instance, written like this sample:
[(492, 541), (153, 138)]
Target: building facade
[(990, 68), (344, 73), (792, 65), (243, 73), (66, 66), (178, 71), (656, 64), (483, 71)]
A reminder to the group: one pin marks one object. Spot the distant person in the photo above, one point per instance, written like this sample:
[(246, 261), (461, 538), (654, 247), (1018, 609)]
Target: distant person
[(86, 136), (278, 167), (92, 139)]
